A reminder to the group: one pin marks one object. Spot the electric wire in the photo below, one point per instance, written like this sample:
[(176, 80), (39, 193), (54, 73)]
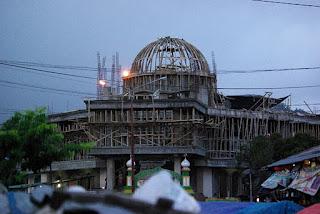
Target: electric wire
[(39, 90), (267, 70), (288, 3), (35, 64), (47, 71), (46, 88), (268, 88), (48, 75)]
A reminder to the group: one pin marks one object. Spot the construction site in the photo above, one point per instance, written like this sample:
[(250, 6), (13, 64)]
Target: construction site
[(165, 108)]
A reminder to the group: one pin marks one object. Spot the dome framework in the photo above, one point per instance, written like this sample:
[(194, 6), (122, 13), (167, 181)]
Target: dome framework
[(170, 54), (173, 68)]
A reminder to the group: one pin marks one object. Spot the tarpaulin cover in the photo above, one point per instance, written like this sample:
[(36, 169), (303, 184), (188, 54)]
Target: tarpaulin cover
[(284, 207), (223, 207), (314, 209), (278, 178), (308, 181)]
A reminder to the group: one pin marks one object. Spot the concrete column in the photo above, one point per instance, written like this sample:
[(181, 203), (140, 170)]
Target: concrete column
[(103, 176), (239, 185), (229, 185), (204, 181), (207, 182), (30, 181), (215, 183), (199, 180), (195, 137), (44, 178), (177, 165), (110, 174), (229, 181)]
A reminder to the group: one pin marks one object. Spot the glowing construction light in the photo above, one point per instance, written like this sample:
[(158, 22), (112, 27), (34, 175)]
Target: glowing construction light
[(102, 82), (125, 73), (59, 185)]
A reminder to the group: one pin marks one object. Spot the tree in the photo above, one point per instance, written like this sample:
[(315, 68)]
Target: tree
[(257, 153), (11, 154), (263, 150), (37, 143), (293, 145)]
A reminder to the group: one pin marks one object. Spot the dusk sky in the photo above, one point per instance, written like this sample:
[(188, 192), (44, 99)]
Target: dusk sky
[(244, 35)]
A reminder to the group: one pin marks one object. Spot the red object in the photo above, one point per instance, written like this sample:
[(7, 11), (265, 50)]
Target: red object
[(314, 209), (278, 168)]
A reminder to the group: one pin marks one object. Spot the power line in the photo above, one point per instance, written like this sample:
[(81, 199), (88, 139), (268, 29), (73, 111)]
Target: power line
[(288, 3), (53, 72), (86, 82), (271, 88), (72, 67), (46, 88), (222, 71), (39, 90), (47, 71), (311, 104), (268, 70), (225, 88)]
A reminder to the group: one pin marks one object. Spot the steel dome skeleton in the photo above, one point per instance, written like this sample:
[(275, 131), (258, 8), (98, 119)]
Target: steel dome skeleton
[(171, 54)]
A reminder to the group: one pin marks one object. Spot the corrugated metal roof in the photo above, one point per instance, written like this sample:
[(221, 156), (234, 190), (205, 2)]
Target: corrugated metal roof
[(305, 155)]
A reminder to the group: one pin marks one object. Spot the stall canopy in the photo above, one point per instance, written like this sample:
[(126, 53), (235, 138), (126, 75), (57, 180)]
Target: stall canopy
[(307, 181), (281, 178), (305, 155)]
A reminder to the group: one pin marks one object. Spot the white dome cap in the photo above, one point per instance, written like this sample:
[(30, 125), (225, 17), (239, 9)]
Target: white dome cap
[(185, 163), (129, 163)]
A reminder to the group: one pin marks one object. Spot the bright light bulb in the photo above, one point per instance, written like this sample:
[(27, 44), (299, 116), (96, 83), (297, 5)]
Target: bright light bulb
[(102, 82), (125, 73)]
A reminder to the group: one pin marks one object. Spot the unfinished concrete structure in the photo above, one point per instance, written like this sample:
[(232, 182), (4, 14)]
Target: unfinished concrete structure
[(171, 102)]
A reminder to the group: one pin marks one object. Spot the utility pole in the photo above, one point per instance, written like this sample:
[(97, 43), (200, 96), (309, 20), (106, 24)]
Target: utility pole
[(250, 183), (131, 94), (131, 139)]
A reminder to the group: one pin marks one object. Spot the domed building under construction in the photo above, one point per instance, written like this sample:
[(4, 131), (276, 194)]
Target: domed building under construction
[(170, 108)]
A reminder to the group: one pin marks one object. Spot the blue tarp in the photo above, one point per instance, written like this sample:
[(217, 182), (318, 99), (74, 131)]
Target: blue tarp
[(223, 207), (283, 207)]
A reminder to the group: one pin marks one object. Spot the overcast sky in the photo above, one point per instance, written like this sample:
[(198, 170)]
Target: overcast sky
[(243, 34)]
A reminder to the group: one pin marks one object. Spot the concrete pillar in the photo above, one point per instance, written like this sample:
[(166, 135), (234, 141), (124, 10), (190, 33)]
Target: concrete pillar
[(199, 180), (103, 176), (44, 178), (239, 185), (229, 181), (195, 137), (207, 182), (30, 181), (229, 185), (177, 165), (215, 183), (110, 174)]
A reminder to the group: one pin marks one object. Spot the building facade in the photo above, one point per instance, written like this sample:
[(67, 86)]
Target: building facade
[(170, 107)]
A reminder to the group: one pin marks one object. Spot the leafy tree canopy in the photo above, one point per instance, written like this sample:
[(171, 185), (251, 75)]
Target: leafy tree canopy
[(264, 150), (11, 154), (29, 139)]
